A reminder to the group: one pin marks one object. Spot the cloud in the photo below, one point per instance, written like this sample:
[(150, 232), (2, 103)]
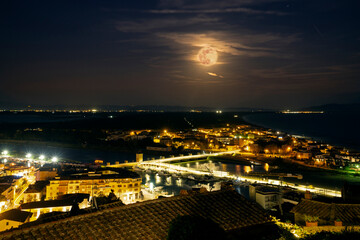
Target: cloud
[(235, 44), (210, 4), (207, 29), (151, 25), (224, 10), (215, 75)]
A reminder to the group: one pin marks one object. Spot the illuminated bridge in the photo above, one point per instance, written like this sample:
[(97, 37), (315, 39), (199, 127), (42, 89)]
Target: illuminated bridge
[(170, 159), (165, 165)]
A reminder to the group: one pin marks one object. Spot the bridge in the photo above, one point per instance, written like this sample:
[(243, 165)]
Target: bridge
[(164, 164), (170, 159)]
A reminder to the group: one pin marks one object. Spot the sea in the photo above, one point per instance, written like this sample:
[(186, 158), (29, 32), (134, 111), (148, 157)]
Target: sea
[(336, 128)]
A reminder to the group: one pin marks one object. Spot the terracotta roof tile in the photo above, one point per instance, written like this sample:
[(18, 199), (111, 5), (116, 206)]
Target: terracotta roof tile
[(151, 219), (347, 213)]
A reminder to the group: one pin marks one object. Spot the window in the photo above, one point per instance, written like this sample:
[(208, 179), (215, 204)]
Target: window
[(130, 185), (7, 223)]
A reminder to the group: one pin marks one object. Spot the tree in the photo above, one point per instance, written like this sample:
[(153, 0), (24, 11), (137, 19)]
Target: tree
[(112, 197)]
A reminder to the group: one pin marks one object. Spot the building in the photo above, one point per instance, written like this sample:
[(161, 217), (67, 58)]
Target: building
[(13, 219), (159, 148), (266, 197), (232, 212), (3, 202), (35, 192), (125, 184), (139, 157), (44, 174), (10, 186), (302, 155), (63, 204), (18, 171)]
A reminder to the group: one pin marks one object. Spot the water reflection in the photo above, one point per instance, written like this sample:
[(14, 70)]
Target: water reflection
[(247, 169), (172, 184), (235, 169), (238, 169), (266, 167), (157, 179), (168, 181)]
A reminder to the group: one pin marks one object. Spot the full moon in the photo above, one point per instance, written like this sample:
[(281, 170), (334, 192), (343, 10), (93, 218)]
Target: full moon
[(207, 56)]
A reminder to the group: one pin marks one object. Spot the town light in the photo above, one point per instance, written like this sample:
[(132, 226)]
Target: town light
[(42, 157), (5, 152), (54, 159), (28, 155)]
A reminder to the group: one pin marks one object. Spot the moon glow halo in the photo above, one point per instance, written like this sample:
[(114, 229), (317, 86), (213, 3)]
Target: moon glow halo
[(207, 56)]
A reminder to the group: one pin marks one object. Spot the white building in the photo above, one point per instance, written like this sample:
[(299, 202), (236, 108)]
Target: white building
[(266, 197)]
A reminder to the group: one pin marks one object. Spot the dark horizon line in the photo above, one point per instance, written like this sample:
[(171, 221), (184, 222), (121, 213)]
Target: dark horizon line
[(166, 108)]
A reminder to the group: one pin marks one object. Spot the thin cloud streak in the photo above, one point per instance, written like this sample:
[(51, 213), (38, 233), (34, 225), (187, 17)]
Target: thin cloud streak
[(161, 23), (215, 75), (226, 10)]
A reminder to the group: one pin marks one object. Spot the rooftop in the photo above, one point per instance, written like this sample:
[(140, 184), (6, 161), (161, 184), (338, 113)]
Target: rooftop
[(119, 174), (15, 215), (347, 213), (8, 179), (151, 219), (267, 190), (37, 187), (67, 200)]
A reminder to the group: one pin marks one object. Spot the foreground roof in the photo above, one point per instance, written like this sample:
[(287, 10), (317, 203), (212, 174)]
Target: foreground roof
[(151, 219), (347, 213), (15, 215), (66, 200)]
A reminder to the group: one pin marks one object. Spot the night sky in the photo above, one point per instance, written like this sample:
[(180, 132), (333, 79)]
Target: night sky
[(271, 54)]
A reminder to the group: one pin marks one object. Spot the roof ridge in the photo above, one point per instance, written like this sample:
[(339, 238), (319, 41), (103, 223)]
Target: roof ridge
[(337, 204)]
